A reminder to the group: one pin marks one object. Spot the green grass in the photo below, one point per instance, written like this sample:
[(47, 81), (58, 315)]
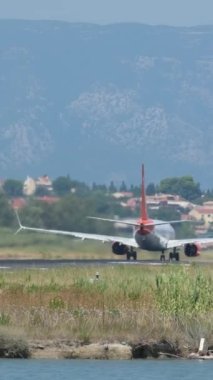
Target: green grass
[(127, 303)]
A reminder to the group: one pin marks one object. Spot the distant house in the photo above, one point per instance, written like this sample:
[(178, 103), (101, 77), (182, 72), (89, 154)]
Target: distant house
[(203, 214), (122, 194), (169, 200), (156, 201), (29, 186), (132, 203), (44, 181)]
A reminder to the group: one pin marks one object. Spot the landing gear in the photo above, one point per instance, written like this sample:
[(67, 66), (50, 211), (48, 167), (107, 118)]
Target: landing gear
[(131, 254), (162, 257), (174, 255)]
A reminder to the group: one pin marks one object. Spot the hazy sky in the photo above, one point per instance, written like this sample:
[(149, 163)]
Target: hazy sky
[(167, 12)]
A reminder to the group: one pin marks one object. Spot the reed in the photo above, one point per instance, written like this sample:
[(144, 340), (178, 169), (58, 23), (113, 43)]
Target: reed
[(127, 303)]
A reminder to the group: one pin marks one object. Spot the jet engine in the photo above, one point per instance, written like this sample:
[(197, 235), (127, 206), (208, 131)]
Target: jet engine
[(119, 249), (191, 250)]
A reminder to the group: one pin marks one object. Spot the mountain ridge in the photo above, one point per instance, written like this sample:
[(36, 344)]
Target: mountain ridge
[(95, 101)]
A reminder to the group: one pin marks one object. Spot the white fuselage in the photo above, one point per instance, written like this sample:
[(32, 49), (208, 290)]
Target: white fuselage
[(156, 239)]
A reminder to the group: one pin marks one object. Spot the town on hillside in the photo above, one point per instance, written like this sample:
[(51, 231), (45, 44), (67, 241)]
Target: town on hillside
[(45, 190)]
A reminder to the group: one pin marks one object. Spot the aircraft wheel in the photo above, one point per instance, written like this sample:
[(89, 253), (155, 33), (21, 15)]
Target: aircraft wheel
[(177, 256), (162, 258), (128, 256), (134, 255)]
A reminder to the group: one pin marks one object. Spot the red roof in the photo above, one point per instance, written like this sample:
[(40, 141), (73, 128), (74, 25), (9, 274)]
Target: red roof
[(204, 210), (18, 203), (48, 199)]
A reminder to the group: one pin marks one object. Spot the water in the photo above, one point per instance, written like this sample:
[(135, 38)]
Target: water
[(105, 370)]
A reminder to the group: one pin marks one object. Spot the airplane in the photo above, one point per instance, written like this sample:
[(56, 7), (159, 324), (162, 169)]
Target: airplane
[(149, 234)]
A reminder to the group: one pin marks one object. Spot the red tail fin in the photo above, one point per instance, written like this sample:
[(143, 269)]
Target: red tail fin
[(144, 215)]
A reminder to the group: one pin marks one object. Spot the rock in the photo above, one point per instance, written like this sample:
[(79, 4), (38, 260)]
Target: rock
[(100, 351), (119, 351), (154, 350)]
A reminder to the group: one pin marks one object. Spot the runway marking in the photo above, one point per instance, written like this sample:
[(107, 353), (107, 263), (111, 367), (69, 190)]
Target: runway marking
[(46, 264)]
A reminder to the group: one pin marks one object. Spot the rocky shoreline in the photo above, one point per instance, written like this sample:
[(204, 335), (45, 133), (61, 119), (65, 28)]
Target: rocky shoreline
[(17, 347), (62, 349), (68, 349)]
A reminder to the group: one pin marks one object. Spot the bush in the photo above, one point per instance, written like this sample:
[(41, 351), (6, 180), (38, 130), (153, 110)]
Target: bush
[(15, 348)]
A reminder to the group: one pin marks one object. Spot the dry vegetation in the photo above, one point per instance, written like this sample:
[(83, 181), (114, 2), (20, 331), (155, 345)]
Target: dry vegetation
[(127, 303)]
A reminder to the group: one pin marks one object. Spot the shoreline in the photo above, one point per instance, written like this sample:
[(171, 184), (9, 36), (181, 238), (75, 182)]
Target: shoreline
[(65, 349), (17, 347), (69, 349)]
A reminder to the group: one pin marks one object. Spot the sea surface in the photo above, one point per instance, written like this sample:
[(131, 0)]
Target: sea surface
[(105, 369)]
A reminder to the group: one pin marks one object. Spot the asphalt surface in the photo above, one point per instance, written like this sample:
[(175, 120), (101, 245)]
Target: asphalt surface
[(46, 264)]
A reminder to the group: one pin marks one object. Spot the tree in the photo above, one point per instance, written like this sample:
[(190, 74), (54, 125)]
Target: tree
[(136, 190), (13, 188), (6, 212), (80, 188), (183, 186), (41, 191), (151, 190), (112, 187), (102, 188), (123, 186), (164, 213), (62, 185)]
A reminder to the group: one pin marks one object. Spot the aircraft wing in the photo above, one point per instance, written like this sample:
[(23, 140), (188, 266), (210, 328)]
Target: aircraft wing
[(83, 236), (138, 223), (126, 222), (182, 242)]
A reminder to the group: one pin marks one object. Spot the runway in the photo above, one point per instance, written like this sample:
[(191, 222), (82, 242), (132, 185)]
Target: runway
[(57, 263), (50, 264)]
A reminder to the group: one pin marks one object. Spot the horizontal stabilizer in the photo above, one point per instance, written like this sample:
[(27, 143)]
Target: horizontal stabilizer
[(138, 223)]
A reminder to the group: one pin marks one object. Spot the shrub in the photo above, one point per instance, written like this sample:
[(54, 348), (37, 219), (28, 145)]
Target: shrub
[(13, 347)]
